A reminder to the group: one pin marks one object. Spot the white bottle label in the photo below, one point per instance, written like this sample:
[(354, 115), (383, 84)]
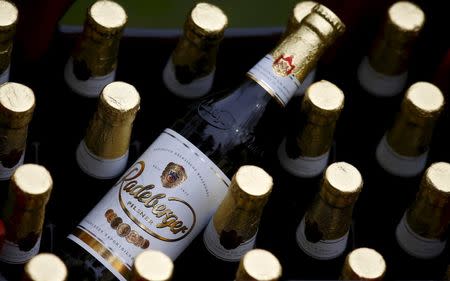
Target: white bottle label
[(4, 77), (397, 164), (416, 245), (162, 202), (212, 243), (98, 167), (6, 172), (379, 84), (91, 87), (11, 252), (322, 250), (195, 89), (282, 88), (302, 166)]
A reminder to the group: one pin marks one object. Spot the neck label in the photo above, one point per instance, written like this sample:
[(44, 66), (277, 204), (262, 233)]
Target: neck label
[(275, 76)]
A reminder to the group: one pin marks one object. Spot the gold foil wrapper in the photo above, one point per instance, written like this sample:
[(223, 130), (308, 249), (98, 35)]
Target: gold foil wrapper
[(250, 267), (109, 131), (303, 48), (330, 215), (391, 50), (196, 52), (97, 49), (321, 107), (43, 265), (429, 214), (8, 23), (363, 264), (237, 217), (152, 266), (24, 212), (17, 105), (411, 133), (300, 11)]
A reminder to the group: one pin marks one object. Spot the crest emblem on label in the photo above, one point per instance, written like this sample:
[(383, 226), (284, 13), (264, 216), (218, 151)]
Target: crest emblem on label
[(283, 65), (173, 175)]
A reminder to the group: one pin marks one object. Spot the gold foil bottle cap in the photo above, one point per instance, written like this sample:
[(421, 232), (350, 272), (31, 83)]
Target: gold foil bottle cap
[(342, 183), (253, 181), (325, 98), (259, 265), (424, 99), (392, 48), (152, 266), (207, 20), (8, 20), (364, 264), (300, 11), (17, 104), (32, 185), (299, 52), (119, 102), (45, 267), (436, 183), (107, 17)]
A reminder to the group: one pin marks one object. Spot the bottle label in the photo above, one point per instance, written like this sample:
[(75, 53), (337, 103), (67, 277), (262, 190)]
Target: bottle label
[(397, 164), (97, 167), (379, 84), (4, 77), (280, 84), (323, 249), (213, 243), (416, 245), (302, 166), (195, 89), (7, 169), (162, 202), (91, 87), (15, 254)]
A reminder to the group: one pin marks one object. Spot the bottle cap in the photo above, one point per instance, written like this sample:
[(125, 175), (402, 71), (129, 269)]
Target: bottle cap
[(342, 184), (404, 22), (45, 267), (324, 99), (252, 181), (206, 21), (17, 104), (109, 132), (152, 266), (8, 20), (436, 183), (300, 11), (424, 99), (260, 265), (31, 185), (107, 17), (364, 264), (299, 52)]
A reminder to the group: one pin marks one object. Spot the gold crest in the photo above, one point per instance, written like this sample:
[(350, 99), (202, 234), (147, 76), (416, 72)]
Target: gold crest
[(173, 175), (283, 65)]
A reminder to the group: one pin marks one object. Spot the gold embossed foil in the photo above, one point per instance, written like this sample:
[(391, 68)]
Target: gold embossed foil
[(237, 217), (17, 104), (109, 131), (97, 49), (429, 214), (363, 264), (8, 22), (321, 107), (24, 211), (392, 48), (413, 127), (250, 268), (300, 11), (303, 48), (45, 264), (196, 52), (330, 215), (152, 265)]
